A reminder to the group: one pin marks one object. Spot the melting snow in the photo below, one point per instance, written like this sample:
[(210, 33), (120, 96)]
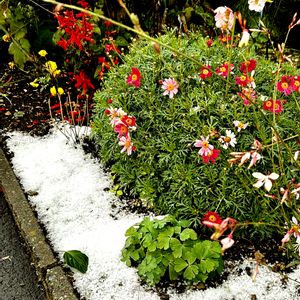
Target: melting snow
[(74, 205)]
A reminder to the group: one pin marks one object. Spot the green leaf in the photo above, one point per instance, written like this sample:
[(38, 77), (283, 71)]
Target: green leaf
[(179, 264), (188, 234), (163, 242), (190, 272), (208, 265), (19, 34), (135, 255), (172, 273), (77, 260), (19, 57), (176, 247)]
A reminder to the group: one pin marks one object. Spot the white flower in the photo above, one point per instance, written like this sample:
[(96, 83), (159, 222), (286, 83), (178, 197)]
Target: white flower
[(228, 140), (296, 155), (256, 5), (240, 125), (265, 180), (296, 191), (245, 38)]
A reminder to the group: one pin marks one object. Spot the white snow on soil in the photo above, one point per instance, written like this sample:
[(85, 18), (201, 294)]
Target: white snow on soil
[(74, 205)]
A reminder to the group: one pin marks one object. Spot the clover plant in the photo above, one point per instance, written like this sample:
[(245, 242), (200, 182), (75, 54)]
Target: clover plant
[(168, 248)]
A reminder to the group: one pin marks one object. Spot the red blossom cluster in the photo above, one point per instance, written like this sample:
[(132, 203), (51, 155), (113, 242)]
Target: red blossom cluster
[(134, 78), (77, 27), (274, 106), (288, 84), (122, 124)]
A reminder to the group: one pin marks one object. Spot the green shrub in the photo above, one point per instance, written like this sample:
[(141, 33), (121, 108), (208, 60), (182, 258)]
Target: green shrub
[(166, 170), (168, 248)]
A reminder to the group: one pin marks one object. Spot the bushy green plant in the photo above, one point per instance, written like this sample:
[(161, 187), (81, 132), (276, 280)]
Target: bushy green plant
[(16, 20), (169, 248), (166, 169)]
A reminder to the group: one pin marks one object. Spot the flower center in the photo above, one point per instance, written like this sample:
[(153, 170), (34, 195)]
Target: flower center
[(243, 78), (134, 77), (227, 139), (212, 218), (127, 144), (205, 71), (284, 85), (241, 125), (170, 87), (123, 129), (205, 144), (269, 103), (296, 83), (276, 106), (223, 69)]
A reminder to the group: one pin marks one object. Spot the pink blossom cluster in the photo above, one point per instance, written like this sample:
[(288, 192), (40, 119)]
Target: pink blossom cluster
[(122, 124), (213, 220)]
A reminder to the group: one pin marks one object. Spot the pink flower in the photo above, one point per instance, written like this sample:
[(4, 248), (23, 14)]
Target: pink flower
[(295, 230), (129, 121), (227, 242), (170, 86), (224, 17), (127, 145), (204, 145), (134, 78)]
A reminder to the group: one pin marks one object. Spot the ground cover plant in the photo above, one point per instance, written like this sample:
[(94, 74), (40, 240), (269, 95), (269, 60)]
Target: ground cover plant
[(205, 129)]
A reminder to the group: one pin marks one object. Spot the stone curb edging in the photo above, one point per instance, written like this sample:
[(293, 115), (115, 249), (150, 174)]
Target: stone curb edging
[(50, 273)]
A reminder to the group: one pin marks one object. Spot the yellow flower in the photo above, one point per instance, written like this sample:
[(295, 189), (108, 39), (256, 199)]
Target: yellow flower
[(51, 67), (60, 91), (43, 53), (53, 91), (11, 65), (6, 38), (34, 83)]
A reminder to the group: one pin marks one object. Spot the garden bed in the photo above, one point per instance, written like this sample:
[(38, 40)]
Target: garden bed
[(70, 192)]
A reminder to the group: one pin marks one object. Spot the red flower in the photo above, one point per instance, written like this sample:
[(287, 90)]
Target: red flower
[(211, 156), (295, 83), (248, 66), (205, 72), (134, 78), (209, 43), (242, 80), (83, 81), (224, 39), (122, 129), (285, 85), (274, 106), (212, 217), (223, 70), (128, 120)]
